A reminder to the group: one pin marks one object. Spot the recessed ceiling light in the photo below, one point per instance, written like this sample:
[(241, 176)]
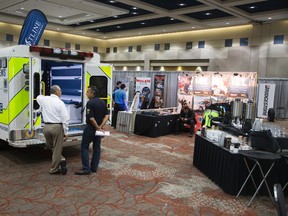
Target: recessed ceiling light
[(87, 15), (115, 16), (134, 8), (92, 21), (193, 27), (97, 30), (17, 11), (164, 30), (171, 18), (22, 8), (58, 29), (112, 1), (269, 18), (118, 27), (181, 4), (227, 23), (60, 16), (208, 14), (134, 13), (142, 23), (252, 7)]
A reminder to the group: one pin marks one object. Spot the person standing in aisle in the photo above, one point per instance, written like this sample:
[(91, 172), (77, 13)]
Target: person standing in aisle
[(96, 118), (56, 119), (119, 98)]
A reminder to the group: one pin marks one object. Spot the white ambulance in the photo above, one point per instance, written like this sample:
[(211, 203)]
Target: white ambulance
[(27, 71)]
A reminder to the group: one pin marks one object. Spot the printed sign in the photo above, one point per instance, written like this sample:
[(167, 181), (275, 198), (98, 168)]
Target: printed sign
[(265, 99)]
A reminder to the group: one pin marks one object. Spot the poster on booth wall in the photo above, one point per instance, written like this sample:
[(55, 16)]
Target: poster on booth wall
[(185, 84), (200, 102), (143, 85), (265, 99), (202, 85), (158, 91), (238, 86)]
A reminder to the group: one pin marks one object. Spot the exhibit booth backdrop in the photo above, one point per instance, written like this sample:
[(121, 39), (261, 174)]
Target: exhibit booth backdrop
[(174, 85)]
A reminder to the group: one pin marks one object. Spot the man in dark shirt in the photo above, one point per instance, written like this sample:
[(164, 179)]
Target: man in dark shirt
[(187, 116), (96, 117)]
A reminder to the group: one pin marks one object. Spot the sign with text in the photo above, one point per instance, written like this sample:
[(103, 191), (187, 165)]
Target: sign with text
[(265, 99), (33, 28)]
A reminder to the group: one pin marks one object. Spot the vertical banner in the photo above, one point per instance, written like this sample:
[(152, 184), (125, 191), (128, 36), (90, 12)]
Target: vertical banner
[(265, 98), (143, 85), (33, 28), (159, 91)]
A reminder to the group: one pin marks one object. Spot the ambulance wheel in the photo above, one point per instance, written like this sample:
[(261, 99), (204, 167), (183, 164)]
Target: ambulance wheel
[(3, 145)]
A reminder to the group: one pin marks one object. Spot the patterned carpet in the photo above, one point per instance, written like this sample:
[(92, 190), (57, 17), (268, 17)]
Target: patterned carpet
[(137, 176)]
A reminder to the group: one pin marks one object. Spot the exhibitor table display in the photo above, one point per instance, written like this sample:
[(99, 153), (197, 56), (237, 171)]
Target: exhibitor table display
[(227, 168), (154, 124)]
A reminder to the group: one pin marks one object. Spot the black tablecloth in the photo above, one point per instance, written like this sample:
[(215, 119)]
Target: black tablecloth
[(228, 169), (154, 126)]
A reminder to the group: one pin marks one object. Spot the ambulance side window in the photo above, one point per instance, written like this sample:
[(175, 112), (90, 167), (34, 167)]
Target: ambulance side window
[(101, 82)]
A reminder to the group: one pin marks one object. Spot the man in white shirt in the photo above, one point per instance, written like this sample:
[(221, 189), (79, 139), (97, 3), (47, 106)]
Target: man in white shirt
[(56, 119)]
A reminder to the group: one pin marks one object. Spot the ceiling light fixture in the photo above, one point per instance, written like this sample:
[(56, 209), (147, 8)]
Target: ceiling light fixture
[(171, 18), (115, 16), (181, 4), (112, 1), (269, 18), (208, 14), (118, 27), (227, 23), (142, 23), (134, 8), (134, 13), (252, 7)]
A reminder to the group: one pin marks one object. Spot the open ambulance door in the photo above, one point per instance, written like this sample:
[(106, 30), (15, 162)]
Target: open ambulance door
[(24, 119)]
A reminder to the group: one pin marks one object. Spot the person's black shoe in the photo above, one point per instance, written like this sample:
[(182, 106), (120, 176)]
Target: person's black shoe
[(63, 167), (82, 172), (56, 173), (93, 171)]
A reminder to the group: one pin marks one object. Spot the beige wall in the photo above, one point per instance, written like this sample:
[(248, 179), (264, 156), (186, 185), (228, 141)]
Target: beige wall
[(260, 55)]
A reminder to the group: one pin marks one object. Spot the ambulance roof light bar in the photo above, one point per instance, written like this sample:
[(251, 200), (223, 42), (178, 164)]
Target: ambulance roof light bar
[(61, 53)]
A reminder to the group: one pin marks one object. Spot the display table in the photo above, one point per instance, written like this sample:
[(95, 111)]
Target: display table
[(228, 169), (154, 126)]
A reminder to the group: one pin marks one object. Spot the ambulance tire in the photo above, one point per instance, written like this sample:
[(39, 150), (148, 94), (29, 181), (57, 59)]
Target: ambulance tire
[(3, 145)]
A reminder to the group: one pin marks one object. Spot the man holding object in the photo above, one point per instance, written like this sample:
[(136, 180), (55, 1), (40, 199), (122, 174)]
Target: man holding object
[(96, 117)]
